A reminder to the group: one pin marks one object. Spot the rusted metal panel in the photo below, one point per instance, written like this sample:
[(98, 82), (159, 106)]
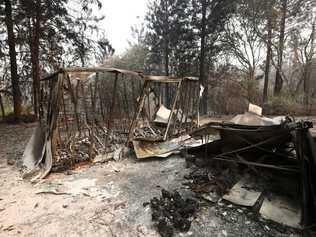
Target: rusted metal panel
[(103, 69), (168, 79), (147, 149), (34, 150), (90, 70)]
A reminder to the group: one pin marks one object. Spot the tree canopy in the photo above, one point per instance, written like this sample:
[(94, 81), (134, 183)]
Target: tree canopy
[(266, 47)]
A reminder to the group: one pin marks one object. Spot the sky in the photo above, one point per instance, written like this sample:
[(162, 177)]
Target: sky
[(120, 15)]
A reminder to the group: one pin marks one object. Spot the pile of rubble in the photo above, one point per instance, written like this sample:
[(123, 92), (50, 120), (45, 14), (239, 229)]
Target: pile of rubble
[(267, 165), (80, 149), (212, 182), (148, 133), (172, 213)]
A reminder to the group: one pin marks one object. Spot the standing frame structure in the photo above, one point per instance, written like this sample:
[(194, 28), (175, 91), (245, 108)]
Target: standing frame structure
[(85, 112)]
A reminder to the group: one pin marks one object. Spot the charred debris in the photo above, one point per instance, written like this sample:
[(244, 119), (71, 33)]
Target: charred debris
[(262, 163), (88, 113), (98, 114), (171, 212)]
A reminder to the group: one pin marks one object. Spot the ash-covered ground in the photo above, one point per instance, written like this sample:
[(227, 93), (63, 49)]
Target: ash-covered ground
[(108, 199)]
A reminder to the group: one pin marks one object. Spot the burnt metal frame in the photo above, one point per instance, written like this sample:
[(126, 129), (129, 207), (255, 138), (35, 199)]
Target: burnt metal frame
[(56, 103), (62, 77), (161, 79)]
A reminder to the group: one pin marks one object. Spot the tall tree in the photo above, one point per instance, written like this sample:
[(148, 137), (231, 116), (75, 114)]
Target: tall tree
[(269, 25), (47, 35), (158, 19), (295, 20), (51, 27), (278, 77), (309, 53), (39, 17), (203, 78), (17, 100), (86, 47), (209, 20), (168, 23), (243, 43)]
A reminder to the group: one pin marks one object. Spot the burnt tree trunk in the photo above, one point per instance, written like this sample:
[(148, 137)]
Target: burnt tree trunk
[(2, 107), (278, 77), (34, 46), (268, 60), (250, 86), (307, 68), (17, 97), (306, 84), (166, 51), (203, 79)]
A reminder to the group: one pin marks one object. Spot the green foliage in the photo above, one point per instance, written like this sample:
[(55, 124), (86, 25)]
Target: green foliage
[(51, 34), (168, 43), (217, 14), (175, 30), (7, 108), (285, 103), (136, 57), (170, 36)]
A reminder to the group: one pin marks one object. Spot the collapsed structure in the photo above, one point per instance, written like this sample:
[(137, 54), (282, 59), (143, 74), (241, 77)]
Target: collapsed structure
[(280, 150), (85, 112)]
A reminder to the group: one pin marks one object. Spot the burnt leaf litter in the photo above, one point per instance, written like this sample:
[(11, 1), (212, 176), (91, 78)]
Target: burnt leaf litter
[(171, 212)]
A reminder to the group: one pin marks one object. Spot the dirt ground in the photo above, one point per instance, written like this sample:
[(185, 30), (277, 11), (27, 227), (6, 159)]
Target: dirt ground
[(106, 199)]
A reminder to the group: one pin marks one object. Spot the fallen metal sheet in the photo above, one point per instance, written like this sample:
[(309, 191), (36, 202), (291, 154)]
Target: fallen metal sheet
[(252, 119), (35, 149), (168, 79), (101, 69), (146, 149), (48, 162), (244, 137), (243, 193), (43, 168), (281, 210), (205, 119), (37, 157)]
